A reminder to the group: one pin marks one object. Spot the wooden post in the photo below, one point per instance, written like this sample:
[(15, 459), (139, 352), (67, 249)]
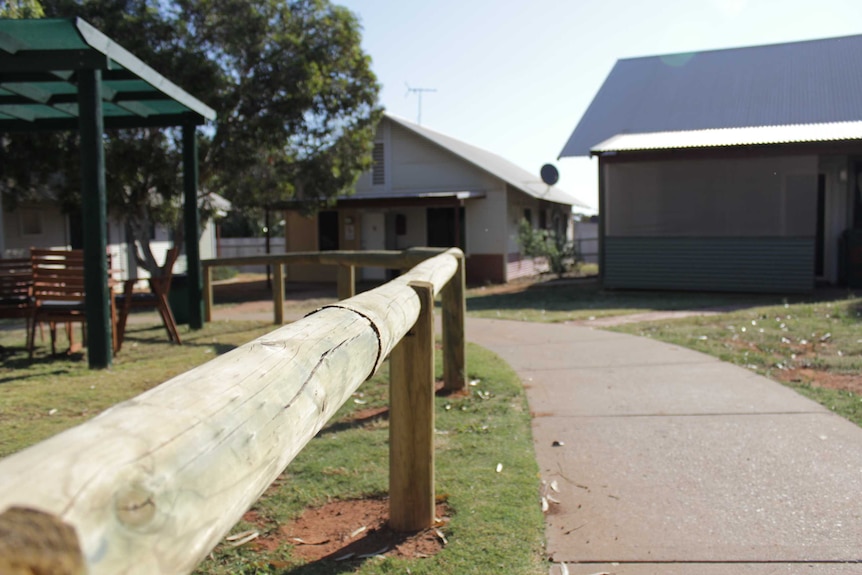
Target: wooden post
[(278, 292), (208, 293), (411, 421), (454, 342), (346, 281)]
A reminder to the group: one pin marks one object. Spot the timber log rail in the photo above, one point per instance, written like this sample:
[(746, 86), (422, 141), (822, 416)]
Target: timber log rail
[(152, 484), (347, 262)]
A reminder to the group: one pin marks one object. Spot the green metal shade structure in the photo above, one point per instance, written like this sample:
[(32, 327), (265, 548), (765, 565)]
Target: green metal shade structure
[(66, 75)]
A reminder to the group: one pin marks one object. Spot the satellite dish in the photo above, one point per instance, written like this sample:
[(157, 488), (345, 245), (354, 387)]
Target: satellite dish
[(550, 175)]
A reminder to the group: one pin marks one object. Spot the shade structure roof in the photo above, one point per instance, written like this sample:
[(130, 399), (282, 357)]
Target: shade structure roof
[(63, 74), (39, 62)]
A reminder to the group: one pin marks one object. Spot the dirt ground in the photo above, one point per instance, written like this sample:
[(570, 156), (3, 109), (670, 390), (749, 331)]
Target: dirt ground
[(353, 530)]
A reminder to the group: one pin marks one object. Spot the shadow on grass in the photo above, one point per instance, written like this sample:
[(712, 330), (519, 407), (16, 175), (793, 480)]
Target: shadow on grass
[(570, 295), (360, 419), (353, 551)]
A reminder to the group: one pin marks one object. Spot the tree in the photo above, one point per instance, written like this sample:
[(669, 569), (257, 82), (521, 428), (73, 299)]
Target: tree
[(295, 96), (297, 118)]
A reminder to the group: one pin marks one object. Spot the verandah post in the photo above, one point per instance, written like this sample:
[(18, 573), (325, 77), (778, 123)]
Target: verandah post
[(346, 281), (278, 292), (411, 421), (208, 293)]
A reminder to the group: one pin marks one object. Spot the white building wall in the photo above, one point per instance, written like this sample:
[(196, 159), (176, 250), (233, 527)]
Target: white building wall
[(31, 225), (413, 164), (484, 218)]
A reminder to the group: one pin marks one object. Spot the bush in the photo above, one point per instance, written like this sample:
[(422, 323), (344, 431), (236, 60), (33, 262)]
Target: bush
[(224, 273), (561, 255)]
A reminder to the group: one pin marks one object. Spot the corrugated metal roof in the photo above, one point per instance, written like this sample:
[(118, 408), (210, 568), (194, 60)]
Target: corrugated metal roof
[(753, 136), (510, 173), (809, 82)]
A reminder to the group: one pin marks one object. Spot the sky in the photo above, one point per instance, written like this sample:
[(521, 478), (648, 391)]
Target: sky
[(515, 76)]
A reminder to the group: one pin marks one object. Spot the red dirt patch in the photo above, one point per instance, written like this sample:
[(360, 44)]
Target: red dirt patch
[(820, 378), (352, 531)]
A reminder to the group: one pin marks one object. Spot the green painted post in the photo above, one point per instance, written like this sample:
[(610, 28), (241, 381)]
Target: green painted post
[(192, 226), (94, 214)]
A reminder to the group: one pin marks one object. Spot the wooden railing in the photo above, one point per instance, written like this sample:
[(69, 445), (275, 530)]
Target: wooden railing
[(347, 262), (152, 484)]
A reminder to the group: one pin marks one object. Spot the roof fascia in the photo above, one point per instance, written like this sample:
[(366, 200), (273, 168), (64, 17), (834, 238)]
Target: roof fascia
[(99, 41), (71, 124)]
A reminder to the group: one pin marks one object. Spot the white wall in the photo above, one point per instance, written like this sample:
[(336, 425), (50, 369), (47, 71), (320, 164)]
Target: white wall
[(32, 225), (413, 164)]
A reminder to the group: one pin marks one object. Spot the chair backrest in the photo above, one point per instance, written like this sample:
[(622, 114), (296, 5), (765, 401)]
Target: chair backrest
[(16, 279), (58, 275)]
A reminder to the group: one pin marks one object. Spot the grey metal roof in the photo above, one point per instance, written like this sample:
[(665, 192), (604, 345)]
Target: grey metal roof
[(808, 82), (750, 136), (530, 184)]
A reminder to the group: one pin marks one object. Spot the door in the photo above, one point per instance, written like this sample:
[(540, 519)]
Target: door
[(445, 227), (373, 238)]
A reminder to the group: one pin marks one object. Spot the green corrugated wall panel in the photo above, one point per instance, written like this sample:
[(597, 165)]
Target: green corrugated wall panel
[(777, 265)]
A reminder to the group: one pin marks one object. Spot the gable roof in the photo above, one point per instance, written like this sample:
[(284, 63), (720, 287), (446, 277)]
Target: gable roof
[(493, 164), (808, 82)]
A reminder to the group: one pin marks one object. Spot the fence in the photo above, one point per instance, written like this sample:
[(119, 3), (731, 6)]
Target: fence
[(242, 247), (152, 484)]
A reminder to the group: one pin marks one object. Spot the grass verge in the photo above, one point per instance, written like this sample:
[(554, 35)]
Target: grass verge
[(496, 523), (815, 348), (582, 299)]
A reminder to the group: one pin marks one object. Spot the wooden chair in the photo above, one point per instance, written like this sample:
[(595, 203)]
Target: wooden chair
[(16, 282), (58, 294), (156, 298)]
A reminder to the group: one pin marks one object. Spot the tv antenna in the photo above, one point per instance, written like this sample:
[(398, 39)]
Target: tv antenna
[(418, 91)]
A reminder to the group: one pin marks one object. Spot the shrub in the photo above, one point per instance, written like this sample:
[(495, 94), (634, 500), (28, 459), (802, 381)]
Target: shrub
[(224, 273), (547, 244)]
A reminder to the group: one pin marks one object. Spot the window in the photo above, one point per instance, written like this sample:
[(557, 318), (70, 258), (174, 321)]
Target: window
[(528, 215), (378, 169), (31, 223)]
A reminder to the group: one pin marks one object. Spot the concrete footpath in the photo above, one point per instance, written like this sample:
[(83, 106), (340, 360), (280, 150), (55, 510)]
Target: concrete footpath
[(671, 462)]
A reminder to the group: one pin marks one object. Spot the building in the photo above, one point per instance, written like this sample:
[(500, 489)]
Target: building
[(732, 170), (428, 189)]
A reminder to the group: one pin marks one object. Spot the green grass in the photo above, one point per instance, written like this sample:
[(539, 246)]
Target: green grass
[(806, 346), (42, 398), (582, 299), (496, 523)]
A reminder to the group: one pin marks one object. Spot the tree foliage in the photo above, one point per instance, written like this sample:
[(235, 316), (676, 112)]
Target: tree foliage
[(295, 96), (21, 9)]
